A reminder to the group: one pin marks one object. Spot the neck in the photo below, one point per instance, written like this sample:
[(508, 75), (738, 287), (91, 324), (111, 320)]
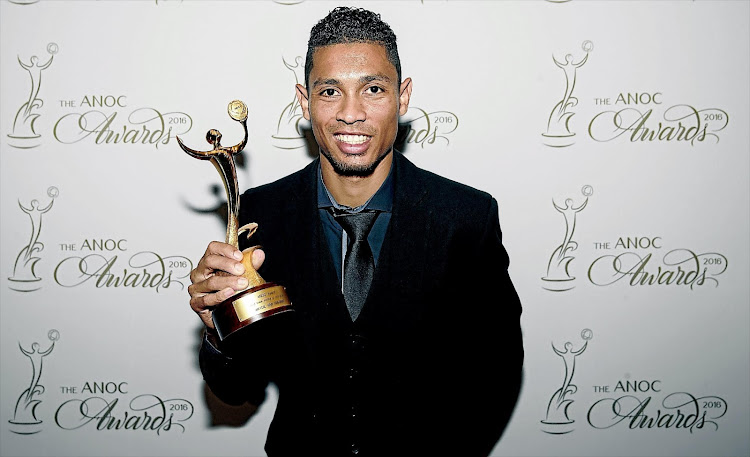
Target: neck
[(354, 190)]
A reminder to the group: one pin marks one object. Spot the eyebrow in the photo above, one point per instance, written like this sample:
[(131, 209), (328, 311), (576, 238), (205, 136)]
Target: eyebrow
[(378, 77), (363, 80), (328, 82)]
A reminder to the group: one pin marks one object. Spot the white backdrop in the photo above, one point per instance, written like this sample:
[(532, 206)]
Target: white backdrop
[(613, 134)]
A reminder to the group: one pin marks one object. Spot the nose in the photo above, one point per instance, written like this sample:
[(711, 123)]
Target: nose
[(351, 110)]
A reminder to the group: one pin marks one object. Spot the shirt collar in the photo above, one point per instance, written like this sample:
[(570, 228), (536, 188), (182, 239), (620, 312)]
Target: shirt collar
[(382, 200)]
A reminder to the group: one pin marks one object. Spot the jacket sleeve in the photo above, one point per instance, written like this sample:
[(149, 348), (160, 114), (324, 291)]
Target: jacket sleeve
[(487, 364), (229, 376), (501, 369)]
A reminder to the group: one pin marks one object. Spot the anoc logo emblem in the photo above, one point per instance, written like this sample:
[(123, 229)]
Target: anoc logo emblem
[(24, 134), (99, 119), (289, 129), (626, 116), (104, 120), (25, 278), (627, 403), (98, 262), (635, 261), (558, 277), (92, 405), (25, 420), (641, 118), (558, 134), (557, 420)]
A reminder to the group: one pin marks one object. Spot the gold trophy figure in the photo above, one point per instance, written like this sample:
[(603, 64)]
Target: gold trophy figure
[(260, 299)]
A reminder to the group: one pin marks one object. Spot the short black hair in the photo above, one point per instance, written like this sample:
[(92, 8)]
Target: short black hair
[(351, 25)]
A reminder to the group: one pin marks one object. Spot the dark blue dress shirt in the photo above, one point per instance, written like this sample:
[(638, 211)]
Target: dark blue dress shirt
[(381, 201)]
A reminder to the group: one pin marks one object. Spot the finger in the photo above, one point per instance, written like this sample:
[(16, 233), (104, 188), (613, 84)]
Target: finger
[(218, 257), (217, 283), (205, 313), (207, 318), (204, 302), (212, 263), (209, 289), (224, 249)]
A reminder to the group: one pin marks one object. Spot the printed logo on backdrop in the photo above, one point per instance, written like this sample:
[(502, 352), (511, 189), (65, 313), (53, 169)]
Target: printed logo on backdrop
[(289, 134), (558, 134), (558, 277), (426, 128), (98, 262), (100, 119), (101, 405), (636, 117), (25, 277), (626, 403), (24, 134), (557, 421), (23, 2), (626, 260), (25, 420), (110, 119)]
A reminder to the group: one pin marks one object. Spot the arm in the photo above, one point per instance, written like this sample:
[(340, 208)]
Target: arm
[(490, 371), (225, 373)]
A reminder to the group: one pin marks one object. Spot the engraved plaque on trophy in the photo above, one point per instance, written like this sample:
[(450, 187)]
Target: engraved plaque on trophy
[(260, 299)]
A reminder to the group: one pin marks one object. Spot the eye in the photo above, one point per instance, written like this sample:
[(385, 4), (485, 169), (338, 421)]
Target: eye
[(328, 92), (375, 90)]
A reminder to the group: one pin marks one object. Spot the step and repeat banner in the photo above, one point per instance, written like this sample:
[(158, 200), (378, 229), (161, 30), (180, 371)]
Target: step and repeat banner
[(614, 136)]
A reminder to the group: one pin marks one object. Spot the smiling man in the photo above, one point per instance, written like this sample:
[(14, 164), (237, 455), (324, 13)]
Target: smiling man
[(405, 338)]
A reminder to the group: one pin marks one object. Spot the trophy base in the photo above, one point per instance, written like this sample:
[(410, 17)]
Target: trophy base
[(248, 306)]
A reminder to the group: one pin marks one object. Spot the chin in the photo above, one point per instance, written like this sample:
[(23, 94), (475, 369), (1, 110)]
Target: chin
[(354, 169)]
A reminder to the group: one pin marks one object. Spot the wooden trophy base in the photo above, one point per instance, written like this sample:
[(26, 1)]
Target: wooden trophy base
[(248, 306)]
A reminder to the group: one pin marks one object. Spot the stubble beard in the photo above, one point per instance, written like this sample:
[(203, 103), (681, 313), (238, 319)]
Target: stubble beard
[(360, 171)]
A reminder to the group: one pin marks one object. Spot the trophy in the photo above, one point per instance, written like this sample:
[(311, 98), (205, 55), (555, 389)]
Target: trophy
[(260, 299)]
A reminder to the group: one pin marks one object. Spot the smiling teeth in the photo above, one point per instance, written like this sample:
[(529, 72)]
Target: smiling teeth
[(352, 139)]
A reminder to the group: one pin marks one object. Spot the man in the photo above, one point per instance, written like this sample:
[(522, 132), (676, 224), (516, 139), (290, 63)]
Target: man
[(418, 354)]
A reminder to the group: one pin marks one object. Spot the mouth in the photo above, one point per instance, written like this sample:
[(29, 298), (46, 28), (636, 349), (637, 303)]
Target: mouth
[(351, 139)]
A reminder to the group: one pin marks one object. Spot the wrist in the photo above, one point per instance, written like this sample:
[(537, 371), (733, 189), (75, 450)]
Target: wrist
[(212, 336)]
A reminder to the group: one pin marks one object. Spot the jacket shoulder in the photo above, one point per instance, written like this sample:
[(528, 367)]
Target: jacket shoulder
[(453, 197), (282, 186)]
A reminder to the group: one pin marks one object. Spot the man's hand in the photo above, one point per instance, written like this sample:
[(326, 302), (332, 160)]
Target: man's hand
[(217, 277)]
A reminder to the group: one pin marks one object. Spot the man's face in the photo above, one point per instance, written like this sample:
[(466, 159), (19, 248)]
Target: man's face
[(353, 104)]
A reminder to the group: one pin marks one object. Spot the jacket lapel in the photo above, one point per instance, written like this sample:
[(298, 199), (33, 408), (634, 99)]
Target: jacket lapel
[(400, 270), (314, 271)]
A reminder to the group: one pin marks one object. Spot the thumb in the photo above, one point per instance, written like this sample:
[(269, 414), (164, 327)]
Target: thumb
[(258, 257)]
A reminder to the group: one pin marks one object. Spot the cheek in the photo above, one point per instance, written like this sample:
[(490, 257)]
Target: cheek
[(383, 114), (387, 111), (386, 117), (323, 114)]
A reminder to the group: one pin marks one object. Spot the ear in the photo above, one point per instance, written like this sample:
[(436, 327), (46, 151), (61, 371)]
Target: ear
[(303, 100), (404, 96)]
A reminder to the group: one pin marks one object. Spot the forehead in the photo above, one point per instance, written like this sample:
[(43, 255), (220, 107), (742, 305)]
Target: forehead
[(351, 59)]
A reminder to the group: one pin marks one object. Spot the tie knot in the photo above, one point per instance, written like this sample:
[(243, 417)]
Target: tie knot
[(357, 225)]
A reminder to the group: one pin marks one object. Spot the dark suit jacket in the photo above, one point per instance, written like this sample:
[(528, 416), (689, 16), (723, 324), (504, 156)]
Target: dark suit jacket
[(432, 365)]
